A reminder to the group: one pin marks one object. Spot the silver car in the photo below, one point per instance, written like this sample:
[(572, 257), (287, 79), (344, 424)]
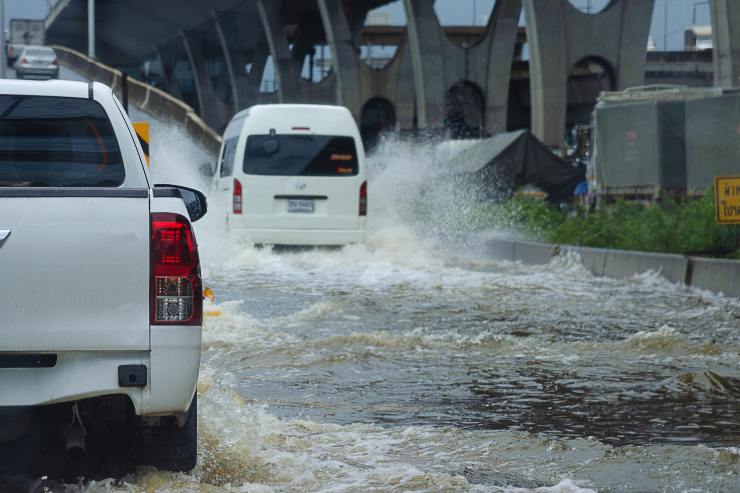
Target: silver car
[(37, 62)]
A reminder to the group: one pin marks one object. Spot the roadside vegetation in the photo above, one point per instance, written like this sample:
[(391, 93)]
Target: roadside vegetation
[(668, 226)]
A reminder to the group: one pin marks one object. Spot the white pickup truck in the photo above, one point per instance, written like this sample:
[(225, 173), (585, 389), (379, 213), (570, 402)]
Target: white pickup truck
[(100, 291)]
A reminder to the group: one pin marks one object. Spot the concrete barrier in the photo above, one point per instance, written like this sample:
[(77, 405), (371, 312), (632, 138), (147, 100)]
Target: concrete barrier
[(501, 249), (621, 264), (147, 98), (532, 253), (717, 275), (594, 259), (720, 276)]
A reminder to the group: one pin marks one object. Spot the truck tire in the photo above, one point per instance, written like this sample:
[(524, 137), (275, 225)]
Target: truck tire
[(169, 448)]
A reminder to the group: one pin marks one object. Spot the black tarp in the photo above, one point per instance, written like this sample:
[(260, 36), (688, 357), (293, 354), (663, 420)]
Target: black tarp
[(502, 163)]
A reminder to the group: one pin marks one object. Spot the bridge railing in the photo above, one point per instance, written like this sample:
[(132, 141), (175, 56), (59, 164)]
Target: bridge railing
[(149, 99)]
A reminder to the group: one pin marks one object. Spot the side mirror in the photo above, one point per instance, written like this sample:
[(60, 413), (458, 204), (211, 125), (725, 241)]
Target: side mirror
[(195, 202)]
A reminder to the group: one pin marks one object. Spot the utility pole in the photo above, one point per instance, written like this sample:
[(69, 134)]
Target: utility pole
[(91, 28), (3, 48), (475, 13), (665, 26)]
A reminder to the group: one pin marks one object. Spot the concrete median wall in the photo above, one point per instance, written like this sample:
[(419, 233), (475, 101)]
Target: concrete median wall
[(149, 99), (717, 275), (720, 276)]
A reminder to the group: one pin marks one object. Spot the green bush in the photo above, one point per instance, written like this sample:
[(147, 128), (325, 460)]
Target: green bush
[(668, 226)]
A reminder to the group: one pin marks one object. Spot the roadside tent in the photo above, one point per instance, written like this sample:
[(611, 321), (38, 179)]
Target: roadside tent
[(506, 161)]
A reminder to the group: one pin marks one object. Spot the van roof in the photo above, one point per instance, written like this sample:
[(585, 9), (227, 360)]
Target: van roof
[(260, 108), (294, 118)]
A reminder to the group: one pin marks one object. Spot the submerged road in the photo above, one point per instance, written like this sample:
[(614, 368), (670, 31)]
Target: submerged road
[(414, 363)]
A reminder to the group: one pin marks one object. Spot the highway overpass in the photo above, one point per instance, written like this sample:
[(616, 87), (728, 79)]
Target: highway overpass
[(472, 80)]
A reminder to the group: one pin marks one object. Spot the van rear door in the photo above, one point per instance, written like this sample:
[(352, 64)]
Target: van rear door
[(74, 264), (300, 181)]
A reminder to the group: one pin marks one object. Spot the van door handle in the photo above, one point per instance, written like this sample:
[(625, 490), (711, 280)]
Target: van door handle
[(226, 189)]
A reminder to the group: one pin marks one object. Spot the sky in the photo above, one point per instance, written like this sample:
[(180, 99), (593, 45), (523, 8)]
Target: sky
[(463, 12)]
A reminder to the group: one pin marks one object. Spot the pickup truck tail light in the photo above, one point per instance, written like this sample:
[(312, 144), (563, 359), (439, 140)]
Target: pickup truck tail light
[(363, 199), (176, 286), (237, 197)]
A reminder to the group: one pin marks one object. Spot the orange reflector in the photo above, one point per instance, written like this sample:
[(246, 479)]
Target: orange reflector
[(208, 293)]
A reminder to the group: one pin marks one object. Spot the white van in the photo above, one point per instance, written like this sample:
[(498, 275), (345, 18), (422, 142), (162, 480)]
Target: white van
[(292, 174)]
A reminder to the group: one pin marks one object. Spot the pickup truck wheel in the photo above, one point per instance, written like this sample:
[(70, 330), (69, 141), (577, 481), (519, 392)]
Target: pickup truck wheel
[(169, 448)]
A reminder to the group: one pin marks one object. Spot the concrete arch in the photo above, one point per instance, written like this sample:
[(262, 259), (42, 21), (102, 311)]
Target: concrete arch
[(438, 63), (286, 73), (347, 67), (560, 35), (378, 117), (491, 60), (597, 10), (587, 78), (431, 52), (610, 73), (465, 110)]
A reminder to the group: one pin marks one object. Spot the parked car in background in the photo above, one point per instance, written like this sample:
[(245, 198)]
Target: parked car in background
[(292, 174), (101, 305), (37, 62), (23, 33)]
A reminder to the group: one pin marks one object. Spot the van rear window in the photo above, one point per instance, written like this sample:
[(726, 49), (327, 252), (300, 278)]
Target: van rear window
[(300, 155), (57, 142)]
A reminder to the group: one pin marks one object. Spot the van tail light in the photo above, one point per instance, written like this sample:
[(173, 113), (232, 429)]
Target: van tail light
[(363, 199), (237, 197), (176, 286)]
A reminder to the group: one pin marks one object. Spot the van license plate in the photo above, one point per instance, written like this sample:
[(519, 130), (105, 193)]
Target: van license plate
[(301, 206)]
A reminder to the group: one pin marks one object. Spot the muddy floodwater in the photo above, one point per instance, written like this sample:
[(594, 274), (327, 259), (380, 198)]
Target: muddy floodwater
[(414, 363)]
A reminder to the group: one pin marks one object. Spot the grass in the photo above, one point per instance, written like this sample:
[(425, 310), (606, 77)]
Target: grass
[(669, 226)]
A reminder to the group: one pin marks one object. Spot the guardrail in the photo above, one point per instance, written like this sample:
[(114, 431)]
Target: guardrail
[(717, 275), (145, 97)]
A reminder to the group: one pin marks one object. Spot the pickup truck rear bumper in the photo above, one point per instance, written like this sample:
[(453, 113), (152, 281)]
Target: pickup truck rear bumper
[(172, 372)]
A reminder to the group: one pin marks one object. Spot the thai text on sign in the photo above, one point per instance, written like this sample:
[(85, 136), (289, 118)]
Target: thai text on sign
[(727, 199)]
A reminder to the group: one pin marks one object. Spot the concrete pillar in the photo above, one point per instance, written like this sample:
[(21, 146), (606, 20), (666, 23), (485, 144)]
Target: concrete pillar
[(235, 63), (345, 60), (168, 62), (286, 74), (559, 35), (495, 54), (726, 42), (426, 42), (259, 60), (213, 111)]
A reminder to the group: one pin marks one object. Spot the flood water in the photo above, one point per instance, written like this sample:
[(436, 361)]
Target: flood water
[(414, 363)]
